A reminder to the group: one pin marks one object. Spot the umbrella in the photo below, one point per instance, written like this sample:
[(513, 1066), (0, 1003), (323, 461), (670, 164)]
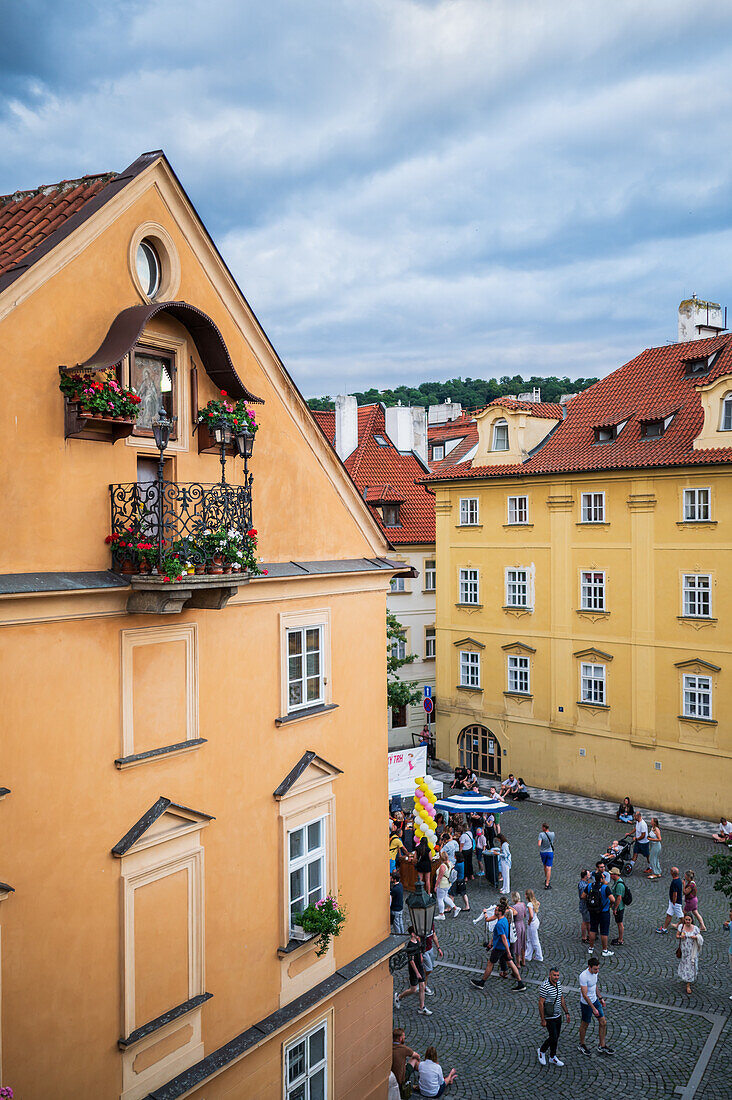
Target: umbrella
[(468, 802)]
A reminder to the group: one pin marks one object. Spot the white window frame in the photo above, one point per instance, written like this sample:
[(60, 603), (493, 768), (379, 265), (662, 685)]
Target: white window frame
[(697, 508), (430, 641), (469, 668), (305, 620), (438, 452), (399, 648), (593, 507), (592, 590), (697, 696), (593, 684), (518, 581), (310, 856), (517, 509), (304, 679), (291, 1087), (519, 674), (494, 435), (398, 584), (725, 423), (468, 586), (696, 592), (469, 512), (430, 575)]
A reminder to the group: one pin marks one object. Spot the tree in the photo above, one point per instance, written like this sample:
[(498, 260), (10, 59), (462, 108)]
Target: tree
[(399, 693), (472, 393), (721, 865)]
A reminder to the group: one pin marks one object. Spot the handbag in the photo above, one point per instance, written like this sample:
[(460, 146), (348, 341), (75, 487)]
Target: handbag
[(512, 933), (678, 952)]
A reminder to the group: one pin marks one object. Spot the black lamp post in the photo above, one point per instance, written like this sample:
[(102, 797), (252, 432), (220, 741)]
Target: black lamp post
[(222, 433), (162, 427), (244, 440), (421, 906)]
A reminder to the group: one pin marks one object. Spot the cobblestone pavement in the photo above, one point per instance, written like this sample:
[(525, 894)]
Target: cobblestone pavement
[(667, 1045)]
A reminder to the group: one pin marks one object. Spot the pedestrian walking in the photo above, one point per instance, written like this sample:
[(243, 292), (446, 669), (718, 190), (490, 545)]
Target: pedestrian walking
[(451, 846), (592, 1005), (428, 958), (582, 887), (691, 899), (533, 946), (501, 952), (641, 846), (546, 852), (675, 899), (551, 1007), (654, 842), (415, 974), (690, 942), (599, 901), (424, 863), (490, 830), (480, 847), (619, 889), (396, 904), (442, 887), (504, 863), (431, 1079), (519, 917), (466, 848)]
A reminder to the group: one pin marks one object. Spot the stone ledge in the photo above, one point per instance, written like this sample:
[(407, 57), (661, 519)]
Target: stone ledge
[(153, 595)]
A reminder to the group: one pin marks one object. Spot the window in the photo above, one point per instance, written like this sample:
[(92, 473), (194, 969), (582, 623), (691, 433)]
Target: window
[(696, 504), (381, 441), (306, 1066), (726, 425), (593, 591), (306, 866), (518, 675), (154, 379), (697, 595), (430, 575), (398, 584), (469, 669), (398, 717), (469, 586), (593, 507), (399, 649), (697, 697), (438, 452), (517, 588), (304, 667), (606, 433), (479, 751), (500, 436), (390, 513), (652, 429), (518, 509), (468, 511), (430, 642), (148, 268), (593, 684)]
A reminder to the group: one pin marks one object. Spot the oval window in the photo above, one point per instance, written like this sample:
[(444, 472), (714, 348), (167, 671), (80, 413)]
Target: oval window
[(148, 268)]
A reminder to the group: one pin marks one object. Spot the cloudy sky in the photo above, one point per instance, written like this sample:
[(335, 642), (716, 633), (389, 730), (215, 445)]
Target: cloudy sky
[(409, 189)]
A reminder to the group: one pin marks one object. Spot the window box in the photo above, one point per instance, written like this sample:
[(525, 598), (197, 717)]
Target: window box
[(80, 424), (207, 445), (300, 935)]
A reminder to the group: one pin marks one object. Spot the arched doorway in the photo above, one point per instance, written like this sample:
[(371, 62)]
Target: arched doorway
[(480, 751)]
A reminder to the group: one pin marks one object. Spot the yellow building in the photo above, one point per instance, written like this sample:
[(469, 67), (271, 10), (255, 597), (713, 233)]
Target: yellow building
[(187, 764), (584, 611)]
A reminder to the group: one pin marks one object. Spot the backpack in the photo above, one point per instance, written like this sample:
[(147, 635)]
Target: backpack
[(627, 896), (595, 898), (453, 876)]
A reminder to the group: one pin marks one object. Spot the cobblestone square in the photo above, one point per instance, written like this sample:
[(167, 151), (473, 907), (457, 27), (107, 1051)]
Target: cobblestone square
[(667, 1044)]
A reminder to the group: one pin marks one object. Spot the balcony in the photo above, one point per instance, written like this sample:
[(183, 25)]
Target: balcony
[(182, 545)]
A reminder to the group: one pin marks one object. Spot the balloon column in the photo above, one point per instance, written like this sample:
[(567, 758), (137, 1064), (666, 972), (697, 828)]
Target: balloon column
[(424, 811)]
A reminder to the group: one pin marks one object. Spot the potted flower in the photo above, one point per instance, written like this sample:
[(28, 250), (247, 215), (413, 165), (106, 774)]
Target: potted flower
[(223, 408), (324, 919), (172, 567), (124, 551), (6, 1093), (146, 553), (105, 399)]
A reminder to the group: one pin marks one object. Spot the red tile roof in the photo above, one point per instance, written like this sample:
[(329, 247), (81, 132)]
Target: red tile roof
[(375, 469), (651, 386), (544, 409), (27, 218), (453, 429), (463, 428)]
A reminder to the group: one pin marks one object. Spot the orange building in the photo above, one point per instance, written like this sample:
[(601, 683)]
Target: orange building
[(185, 764)]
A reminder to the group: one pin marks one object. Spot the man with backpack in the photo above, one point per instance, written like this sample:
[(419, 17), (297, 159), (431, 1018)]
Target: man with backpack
[(599, 900), (501, 951), (623, 897), (546, 853)]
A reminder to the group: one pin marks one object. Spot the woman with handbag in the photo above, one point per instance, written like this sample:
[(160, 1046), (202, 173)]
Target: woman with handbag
[(533, 949), (690, 941), (654, 843), (691, 899), (519, 914), (442, 887)]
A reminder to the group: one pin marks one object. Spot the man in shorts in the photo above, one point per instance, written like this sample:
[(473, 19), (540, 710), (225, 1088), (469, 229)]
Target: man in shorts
[(675, 902), (618, 889), (591, 1004), (599, 901), (546, 853), (501, 952), (415, 973), (642, 845)]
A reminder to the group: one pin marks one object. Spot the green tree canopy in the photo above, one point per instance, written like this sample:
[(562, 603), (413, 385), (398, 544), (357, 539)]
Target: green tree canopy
[(399, 693), (472, 393)]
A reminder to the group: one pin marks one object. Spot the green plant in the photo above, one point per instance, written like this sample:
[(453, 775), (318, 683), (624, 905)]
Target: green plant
[(399, 693), (720, 864), (106, 397), (324, 919), (235, 413), (172, 566)]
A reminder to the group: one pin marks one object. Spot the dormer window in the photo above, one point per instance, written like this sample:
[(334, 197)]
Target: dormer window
[(381, 441), (653, 429), (438, 452), (606, 433), (702, 365), (500, 436), (390, 513), (726, 425)]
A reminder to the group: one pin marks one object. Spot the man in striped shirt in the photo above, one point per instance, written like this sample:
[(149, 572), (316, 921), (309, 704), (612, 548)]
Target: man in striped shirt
[(551, 1007)]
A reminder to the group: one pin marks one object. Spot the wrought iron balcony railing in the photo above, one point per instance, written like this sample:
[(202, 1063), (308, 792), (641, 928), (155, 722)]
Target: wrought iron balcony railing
[(177, 517)]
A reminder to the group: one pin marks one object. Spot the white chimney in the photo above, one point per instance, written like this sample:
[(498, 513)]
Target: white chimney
[(346, 426), (400, 427), (698, 319), (443, 414), (419, 431)]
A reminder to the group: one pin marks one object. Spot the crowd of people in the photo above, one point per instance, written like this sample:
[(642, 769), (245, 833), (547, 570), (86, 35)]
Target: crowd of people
[(474, 846)]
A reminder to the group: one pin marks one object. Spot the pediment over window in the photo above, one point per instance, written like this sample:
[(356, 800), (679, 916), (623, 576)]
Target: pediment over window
[(466, 643), (162, 822), (593, 654), (517, 647), (310, 771), (697, 665)]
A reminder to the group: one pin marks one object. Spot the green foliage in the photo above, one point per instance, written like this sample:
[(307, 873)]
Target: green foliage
[(720, 864), (323, 919), (472, 393), (399, 693)]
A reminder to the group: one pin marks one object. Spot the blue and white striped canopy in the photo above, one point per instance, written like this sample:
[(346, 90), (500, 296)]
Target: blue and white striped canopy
[(468, 802)]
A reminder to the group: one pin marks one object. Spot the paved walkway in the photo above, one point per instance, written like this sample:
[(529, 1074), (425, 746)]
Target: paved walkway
[(667, 1045)]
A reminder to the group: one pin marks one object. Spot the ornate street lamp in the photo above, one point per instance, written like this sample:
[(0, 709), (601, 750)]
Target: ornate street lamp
[(222, 432), (162, 427), (421, 906), (244, 440)]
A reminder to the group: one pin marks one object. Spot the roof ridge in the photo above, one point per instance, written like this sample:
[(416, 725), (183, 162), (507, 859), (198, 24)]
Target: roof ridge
[(57, 188), (362, 445)]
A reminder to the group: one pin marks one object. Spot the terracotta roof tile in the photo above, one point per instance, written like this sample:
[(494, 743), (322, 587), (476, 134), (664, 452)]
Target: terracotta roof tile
[(543, 409)]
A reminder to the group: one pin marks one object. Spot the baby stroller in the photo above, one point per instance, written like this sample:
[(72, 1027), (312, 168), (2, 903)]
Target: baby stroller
[(620, 858)]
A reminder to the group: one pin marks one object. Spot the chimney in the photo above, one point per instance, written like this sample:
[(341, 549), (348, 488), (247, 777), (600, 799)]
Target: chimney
[(419, 431), (443, 414), (346, 426), (699, 319), (400, 426)]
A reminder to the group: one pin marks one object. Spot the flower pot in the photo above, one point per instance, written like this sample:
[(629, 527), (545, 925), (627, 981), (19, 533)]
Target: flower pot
[(236, 568), (227, 567), (190, 570), (145, 566), (128, 568), (298, 933), (119, 418), (199, 570), (217, 564)]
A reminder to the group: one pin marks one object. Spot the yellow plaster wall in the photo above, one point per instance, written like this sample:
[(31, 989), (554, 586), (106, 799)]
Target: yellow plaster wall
[(159, 694), (161, 946), (524, 433)]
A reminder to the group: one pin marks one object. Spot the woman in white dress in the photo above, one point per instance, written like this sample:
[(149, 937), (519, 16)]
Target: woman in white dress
[(690, 940), (533, 947), (504, 864)]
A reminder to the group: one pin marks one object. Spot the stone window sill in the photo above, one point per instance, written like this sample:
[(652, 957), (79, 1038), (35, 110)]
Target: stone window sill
[(508, 526), (697, 721), (478, 606), (518, 694), (431, 658), (593, 706), (429, 591), (465, 687), (592, 523), (160, 1021), (595, 612), (306, 712), (400, 592), (516, 607), (132, 761), (469, 526), (696, 619), (295, 945), (696, 523)]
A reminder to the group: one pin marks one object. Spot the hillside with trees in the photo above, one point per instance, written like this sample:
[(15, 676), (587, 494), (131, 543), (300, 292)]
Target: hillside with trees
[(470, 392)]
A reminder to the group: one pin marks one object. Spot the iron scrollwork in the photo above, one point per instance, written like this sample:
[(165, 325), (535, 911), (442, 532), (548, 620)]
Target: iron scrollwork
[(398, 961)]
